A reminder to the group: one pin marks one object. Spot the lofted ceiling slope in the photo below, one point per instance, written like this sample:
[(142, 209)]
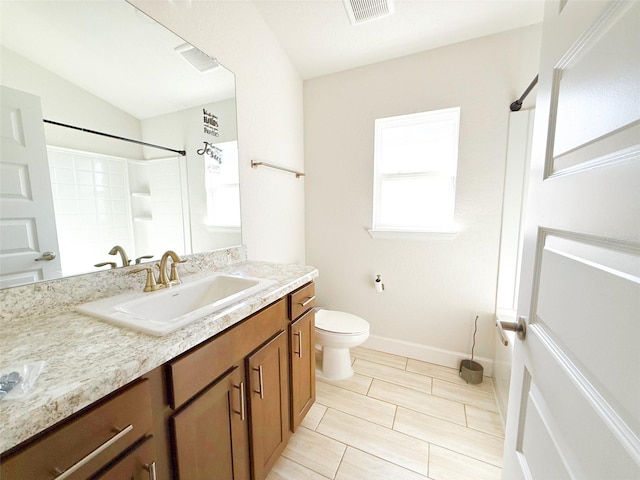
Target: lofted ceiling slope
[(319, 38)]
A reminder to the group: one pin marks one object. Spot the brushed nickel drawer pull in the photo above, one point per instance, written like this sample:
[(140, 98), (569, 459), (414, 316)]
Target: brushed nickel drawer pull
[(307, 301), (260, 382), (242, 411), (299, 335), (151, 468), (75, 467)]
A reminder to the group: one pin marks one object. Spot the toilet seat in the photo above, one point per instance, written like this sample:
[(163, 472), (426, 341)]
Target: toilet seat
[(340, 323)]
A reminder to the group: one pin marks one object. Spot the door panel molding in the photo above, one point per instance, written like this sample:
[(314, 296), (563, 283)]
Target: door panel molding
[(620, 429), (12, 126), (573, 399), (584, 71), (598, 281), (600, 151), (549, 238), (15, 181), (20, 235), (549, 461)]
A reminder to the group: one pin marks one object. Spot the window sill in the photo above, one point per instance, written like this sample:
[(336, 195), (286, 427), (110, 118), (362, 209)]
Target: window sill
[(222, 228), (412, 235)]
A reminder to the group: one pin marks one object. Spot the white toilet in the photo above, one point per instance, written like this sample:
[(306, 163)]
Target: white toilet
[(336, 332)]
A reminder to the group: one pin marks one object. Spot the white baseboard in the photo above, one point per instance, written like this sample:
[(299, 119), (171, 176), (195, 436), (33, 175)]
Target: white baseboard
[(425, 353)]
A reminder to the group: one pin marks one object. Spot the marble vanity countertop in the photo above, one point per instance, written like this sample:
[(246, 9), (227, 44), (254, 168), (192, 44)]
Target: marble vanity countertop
[(87, 358)]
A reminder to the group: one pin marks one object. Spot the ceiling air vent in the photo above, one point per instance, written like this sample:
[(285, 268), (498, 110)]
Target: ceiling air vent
[(198, 60), (361, 11)]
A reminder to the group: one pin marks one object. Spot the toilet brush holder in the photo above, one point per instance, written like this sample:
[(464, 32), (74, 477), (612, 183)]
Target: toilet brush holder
[(471, 372)]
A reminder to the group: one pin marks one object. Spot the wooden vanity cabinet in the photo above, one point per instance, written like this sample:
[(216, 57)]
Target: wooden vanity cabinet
[(302, 348), (86, 442), (231, 399), (223, 410)]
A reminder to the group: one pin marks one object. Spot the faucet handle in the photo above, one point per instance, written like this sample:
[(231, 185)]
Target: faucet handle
[(174, 278), (150, 285), (104, 264), (144, 257)]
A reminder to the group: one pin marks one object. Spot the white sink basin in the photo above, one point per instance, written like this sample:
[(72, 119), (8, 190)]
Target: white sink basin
[(166, 310)]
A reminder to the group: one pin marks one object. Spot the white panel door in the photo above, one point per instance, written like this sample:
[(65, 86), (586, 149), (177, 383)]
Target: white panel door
[(574, 405), (27, 221)]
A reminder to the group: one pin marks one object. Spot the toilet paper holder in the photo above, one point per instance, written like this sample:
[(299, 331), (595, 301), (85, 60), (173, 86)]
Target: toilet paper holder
[(379, 285)]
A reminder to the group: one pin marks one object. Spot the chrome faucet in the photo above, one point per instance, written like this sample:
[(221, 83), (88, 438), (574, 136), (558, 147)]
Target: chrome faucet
[(173, 277), (123, 255)]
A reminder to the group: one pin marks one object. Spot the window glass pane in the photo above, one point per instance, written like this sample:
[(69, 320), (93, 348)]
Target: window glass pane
[(222, 186), (416, 158), (225, 211), (417, 148), (416, 202)]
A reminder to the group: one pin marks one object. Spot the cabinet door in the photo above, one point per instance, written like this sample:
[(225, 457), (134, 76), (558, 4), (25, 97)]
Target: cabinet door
[(268, 371), (303, 367), (139, 464), (210, 435)]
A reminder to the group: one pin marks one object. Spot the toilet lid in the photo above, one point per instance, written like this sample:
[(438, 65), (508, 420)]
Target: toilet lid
[(340, 322)]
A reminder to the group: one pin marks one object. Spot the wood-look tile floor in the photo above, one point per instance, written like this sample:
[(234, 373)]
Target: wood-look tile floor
[(396, 419)]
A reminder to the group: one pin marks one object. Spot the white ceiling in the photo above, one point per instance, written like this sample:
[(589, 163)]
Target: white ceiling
[(113, 51), (319, 39), (75, 40)]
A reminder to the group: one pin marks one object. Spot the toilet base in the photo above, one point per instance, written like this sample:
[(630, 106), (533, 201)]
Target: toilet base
[(336, 364)]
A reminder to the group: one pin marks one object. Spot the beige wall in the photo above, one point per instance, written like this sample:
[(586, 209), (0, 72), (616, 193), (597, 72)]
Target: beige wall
[(270, 117), (65, 102), (434, 288)]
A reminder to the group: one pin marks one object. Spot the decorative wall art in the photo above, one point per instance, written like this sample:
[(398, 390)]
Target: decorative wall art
[(210, 151), (210, 122)]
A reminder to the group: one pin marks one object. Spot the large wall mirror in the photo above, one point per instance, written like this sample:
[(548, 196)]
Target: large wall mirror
[(79, 81)]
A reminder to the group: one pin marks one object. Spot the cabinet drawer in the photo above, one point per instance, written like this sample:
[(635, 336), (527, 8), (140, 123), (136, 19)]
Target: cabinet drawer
[(88, 441), (302, 300), (138, 464), (198, 368)]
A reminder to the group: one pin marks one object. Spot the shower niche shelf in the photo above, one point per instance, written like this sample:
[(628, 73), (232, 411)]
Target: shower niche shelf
[(141, 206)]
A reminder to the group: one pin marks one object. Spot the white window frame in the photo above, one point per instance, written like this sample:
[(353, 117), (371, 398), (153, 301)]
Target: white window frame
[(214, 185), (443, 231)]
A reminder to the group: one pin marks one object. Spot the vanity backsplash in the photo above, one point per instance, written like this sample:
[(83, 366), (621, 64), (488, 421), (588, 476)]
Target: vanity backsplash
[(59, 295)]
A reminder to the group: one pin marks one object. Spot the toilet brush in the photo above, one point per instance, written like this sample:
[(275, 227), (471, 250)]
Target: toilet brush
[(470, 371)]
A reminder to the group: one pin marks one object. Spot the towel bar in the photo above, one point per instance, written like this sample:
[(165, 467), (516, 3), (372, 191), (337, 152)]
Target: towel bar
[(255, 164)]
